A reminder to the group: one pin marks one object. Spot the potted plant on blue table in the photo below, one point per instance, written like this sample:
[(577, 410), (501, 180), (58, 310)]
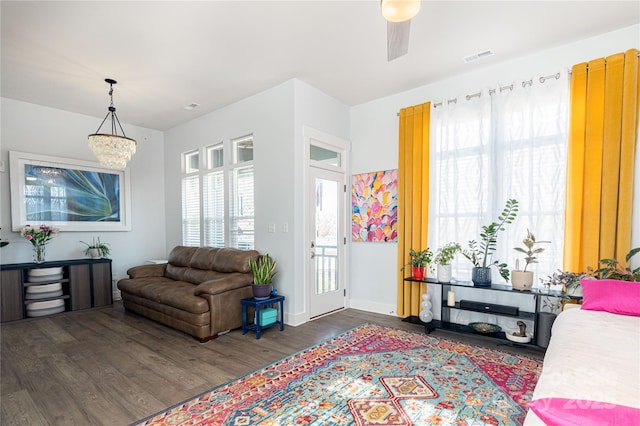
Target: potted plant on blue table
[(263, 271)]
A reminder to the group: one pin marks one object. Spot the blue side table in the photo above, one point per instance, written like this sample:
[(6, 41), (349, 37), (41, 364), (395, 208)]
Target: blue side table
[(259, 304)]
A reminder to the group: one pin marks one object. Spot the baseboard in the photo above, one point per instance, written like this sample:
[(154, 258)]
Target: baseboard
[(377, 308), (295, 320)]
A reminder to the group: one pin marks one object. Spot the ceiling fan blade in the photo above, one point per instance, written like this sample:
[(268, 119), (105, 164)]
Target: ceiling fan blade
[(397, 39)]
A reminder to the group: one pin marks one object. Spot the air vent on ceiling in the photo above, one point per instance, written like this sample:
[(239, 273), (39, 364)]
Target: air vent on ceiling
[(479, 55), (192, 106)]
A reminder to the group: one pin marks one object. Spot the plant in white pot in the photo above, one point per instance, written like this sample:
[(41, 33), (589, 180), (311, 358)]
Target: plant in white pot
[(97, 249), (523, 279), (263, 271), (443, 259), (479, 254)]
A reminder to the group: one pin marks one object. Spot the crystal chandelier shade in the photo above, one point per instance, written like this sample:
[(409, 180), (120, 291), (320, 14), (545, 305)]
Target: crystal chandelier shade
[(112, 150)]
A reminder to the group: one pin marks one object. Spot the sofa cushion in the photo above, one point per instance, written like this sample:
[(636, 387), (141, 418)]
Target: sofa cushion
[(203, 258), (197, 276), (179, 261), (177, 294), (181, 255), (233, 260)]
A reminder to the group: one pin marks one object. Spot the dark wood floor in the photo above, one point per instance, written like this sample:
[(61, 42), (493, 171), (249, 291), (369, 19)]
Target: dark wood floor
[(111, 367)]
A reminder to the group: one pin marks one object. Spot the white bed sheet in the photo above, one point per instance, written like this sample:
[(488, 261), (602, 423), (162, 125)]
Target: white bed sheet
[(593, 356)]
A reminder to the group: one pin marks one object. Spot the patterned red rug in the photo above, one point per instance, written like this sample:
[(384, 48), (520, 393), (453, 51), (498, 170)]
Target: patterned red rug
[(372, 375)]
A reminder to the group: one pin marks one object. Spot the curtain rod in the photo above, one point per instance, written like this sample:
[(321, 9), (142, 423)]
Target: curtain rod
[(501, 89), (508, 87)]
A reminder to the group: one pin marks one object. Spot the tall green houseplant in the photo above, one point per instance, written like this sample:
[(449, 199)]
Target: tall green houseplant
[(479, 254)]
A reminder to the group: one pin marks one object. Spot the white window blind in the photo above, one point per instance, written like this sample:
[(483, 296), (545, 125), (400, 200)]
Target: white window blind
[(223, 213), (191, 211), (214, 209), (241, 231)]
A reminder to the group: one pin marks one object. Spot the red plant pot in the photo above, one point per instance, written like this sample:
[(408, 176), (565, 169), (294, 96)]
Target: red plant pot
[(417, 272)]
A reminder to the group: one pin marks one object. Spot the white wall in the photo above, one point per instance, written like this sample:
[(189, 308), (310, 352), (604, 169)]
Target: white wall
[(275, 118), (374, 137), (319, 111), (47, 131)]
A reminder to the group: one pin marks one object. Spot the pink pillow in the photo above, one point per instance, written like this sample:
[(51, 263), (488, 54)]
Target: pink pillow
[(617, 297), (582, 412)]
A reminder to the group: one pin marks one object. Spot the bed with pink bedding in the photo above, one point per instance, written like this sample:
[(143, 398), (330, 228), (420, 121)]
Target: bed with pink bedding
[(591, 372)]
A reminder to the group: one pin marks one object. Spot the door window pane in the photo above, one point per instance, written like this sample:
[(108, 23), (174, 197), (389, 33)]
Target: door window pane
[(326, 236), (325, 156)]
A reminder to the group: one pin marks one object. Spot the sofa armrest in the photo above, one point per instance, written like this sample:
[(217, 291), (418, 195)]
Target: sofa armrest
[(230, 282), (154, 270)]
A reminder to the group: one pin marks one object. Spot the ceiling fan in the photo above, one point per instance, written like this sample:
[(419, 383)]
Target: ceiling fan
[(398, 14)]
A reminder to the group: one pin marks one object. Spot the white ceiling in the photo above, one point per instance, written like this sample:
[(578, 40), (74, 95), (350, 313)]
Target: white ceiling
[(166, 55)]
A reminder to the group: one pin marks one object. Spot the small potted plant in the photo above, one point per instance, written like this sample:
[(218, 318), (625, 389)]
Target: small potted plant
[(97, 249), (523, 279), (479, 254), (613, 270), (419, 261), (263, 271), (443, 259)]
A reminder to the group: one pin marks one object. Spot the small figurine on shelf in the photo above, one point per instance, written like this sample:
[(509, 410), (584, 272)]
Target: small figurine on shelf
[(523, 329)]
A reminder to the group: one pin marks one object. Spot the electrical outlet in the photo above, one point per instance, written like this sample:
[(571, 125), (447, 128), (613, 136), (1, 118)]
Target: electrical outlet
[(272, 228), (2, 167), (285, 227)]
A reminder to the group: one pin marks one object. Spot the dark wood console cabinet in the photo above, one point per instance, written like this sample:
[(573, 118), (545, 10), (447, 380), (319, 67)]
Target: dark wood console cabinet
[(86, 283)]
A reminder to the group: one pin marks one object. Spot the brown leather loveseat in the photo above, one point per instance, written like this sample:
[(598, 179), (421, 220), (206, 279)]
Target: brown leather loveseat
[(198, 291)]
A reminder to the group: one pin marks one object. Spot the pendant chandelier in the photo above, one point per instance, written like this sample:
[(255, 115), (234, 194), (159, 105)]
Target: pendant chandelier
[(112, 150)]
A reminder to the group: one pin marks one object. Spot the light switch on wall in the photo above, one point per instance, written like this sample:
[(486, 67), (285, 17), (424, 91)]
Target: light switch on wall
[(285, 227)]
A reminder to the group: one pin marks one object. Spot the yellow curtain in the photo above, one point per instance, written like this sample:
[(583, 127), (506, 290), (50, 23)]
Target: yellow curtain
[(413, 200), (600, 160)]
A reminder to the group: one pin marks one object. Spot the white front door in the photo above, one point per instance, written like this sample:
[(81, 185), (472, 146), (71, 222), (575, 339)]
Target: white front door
[(327, 243)]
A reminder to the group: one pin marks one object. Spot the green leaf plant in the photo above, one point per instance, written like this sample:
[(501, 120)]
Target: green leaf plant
[(613, 270), (479, 253)]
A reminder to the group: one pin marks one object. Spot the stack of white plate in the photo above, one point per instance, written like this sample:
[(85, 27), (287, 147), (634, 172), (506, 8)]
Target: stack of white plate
[(43, 291), (47, 307), (44, 274)]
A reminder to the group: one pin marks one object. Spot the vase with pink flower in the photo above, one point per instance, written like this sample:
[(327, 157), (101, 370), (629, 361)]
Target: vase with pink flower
[(39, 237)]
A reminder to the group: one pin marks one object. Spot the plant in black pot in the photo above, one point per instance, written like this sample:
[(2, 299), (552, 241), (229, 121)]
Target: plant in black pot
[(263, 271), (479, 254)]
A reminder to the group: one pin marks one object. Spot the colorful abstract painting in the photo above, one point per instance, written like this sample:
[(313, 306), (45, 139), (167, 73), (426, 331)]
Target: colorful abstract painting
[(374, 203)]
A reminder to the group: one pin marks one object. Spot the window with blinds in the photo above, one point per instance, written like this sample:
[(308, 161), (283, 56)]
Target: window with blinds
[(191, 211), (222, 213)]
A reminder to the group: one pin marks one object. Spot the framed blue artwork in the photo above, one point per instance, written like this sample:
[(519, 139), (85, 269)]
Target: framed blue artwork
[(73, 195)]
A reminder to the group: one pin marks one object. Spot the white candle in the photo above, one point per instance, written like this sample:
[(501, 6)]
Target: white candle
[(451, 298)]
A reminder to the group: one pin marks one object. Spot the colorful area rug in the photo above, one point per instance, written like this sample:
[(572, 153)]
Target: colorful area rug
[(372, 375)]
